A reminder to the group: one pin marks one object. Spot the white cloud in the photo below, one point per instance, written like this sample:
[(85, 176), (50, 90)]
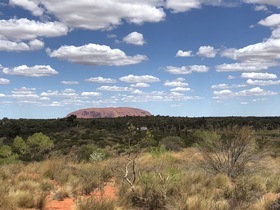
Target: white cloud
[(4, 81), (275, 3), (134, 38), (137, 92), (179, 82), (182, 5), (207, 51), (276, 33), (28, 5), (138, 79), (25, 94), (101, 80), (115, 88), (263, 82), (95, 55), (24, 29), (104, 14), (260, 8), (255, 75), (34, 71), (257, 91), (230, 77), (158, 97), (70, 82), (271, 21), (256, 54), (140, 85), (186, 69), (245, 66), (181, 53), (6, 45), (180, 89), (91, 94), (67, 93), (227, 86), (36, 44)]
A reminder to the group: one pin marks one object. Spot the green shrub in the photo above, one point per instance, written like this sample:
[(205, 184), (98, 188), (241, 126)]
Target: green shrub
[(172, 143)]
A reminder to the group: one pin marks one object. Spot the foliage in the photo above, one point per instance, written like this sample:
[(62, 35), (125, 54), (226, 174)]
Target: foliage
[(229, 151), (172, 143), (6, 155), (20, 146), (90, 152), (39, 144)]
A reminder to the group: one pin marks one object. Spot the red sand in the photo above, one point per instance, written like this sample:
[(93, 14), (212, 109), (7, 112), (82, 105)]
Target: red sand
[(109, 192)]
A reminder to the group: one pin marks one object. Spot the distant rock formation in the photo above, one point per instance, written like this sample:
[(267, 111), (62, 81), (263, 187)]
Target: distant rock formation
[(111, 112)]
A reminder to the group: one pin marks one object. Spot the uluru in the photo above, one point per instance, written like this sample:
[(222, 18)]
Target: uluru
[(109, 112)]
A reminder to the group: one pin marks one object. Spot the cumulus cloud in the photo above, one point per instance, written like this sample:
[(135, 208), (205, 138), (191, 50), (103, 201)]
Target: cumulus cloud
[(25, 94), (253, 57), (186, 69), (179, 82), (260, 8), (67, 93), (182, 53), (101, 80), (95, 55), (140, 85), (271, 21), (257, 91), (275, 3), (227, 86), (70, 82), (29, 5), (262, 82), (101, 14), (4, 81), (34, 71), (36, 44), (180, 89), (207, 51), (138, 79), (254, 75), (134, 38), (182, 5), (24, 29), (6, 45), (246, 66), (115, 88), (91, 94)]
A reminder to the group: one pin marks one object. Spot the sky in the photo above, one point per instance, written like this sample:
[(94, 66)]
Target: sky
[(170, 57)]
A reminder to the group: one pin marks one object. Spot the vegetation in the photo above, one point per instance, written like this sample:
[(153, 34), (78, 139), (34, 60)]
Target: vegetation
[(152, 163)]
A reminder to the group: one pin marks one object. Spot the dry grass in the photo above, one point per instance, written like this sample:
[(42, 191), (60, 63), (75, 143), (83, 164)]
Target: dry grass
[(173, 181)]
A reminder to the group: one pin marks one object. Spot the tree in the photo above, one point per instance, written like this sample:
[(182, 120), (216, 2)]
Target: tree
[(7, 155), (228, 151), (20, 146), (39, 145)]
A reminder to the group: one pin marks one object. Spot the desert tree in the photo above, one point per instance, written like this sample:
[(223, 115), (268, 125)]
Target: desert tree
[(39, 145), (228, 151)]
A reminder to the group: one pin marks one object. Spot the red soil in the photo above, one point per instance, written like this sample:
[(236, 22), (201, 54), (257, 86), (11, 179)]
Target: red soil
[(108, 192)]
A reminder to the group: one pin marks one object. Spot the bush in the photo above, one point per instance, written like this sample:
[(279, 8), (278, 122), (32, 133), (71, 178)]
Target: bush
[(172, 143), (228, 151)]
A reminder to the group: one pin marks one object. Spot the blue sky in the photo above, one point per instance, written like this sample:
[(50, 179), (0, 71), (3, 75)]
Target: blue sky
[(169, 57)]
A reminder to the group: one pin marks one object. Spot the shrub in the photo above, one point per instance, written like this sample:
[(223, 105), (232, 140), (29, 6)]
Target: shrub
[(172, 143), (94, 204), (228, 151)]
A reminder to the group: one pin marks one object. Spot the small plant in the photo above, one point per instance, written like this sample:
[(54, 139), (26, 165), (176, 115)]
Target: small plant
[(97, 155), (94, 204)]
